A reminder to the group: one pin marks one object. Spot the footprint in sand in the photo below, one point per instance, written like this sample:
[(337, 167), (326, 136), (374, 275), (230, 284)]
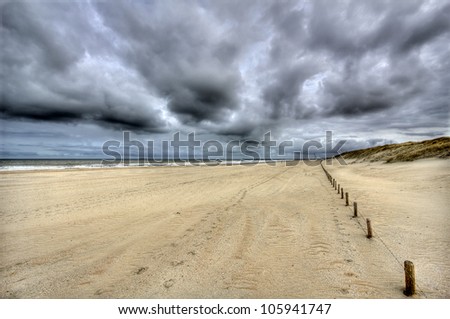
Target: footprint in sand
[(169, 283), (177, 263), (98, 292), (345, 291), (141, 270)]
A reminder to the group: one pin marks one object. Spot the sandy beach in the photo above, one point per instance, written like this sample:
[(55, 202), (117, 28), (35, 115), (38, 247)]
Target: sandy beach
[(250, 231)]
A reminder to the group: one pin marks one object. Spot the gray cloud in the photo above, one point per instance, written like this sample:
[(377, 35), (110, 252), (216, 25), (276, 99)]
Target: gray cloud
[(203, 97), (44, 75), (283, 95), (178, 54), (231, 68)]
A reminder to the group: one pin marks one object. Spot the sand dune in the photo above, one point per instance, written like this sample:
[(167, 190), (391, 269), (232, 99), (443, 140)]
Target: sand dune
[(409, 151), (223, 232)]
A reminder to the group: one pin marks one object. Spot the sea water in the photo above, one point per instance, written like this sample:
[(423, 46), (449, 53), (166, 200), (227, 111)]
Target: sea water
[(61, 164)]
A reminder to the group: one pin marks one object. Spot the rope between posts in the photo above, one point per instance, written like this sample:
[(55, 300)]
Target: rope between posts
[(377, 237)]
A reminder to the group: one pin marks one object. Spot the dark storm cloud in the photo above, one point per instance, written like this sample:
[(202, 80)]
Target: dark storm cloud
[(283, 95), (37, 111), (242, 128), (43, 46), (420, 29), (363, 26), (233, 68), (33, 31), (177, 52), (366, 86), (203, 98), (106, 114)]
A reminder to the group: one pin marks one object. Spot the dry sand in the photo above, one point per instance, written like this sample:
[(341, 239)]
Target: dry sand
[(409, 207), (224, 232)]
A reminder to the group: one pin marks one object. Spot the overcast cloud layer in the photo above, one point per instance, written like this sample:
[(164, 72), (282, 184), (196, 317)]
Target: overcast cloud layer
[(74, 74)]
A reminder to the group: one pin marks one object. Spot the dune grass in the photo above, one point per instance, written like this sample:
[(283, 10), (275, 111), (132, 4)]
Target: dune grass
[(408, 151)]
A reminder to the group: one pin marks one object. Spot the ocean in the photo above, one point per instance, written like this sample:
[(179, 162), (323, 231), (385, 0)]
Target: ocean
[(61, 164)]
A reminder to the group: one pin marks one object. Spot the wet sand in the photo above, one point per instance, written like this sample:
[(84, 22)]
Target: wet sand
[(224, 232)]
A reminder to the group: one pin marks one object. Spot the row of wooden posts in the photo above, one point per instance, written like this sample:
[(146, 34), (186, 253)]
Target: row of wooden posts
[(410, 280)]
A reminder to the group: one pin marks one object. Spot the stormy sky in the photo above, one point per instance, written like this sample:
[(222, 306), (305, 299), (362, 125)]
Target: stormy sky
[(75, 74)]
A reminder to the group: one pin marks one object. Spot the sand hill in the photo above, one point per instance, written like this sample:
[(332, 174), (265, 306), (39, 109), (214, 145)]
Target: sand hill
[(409, 151)]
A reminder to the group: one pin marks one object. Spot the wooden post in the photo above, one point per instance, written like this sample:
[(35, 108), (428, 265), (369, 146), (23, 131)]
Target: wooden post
[(369, 229), (332, 184), (335, 184), (355, 209), (346, 198), (339, 188), (410, 279), (342, 193)]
